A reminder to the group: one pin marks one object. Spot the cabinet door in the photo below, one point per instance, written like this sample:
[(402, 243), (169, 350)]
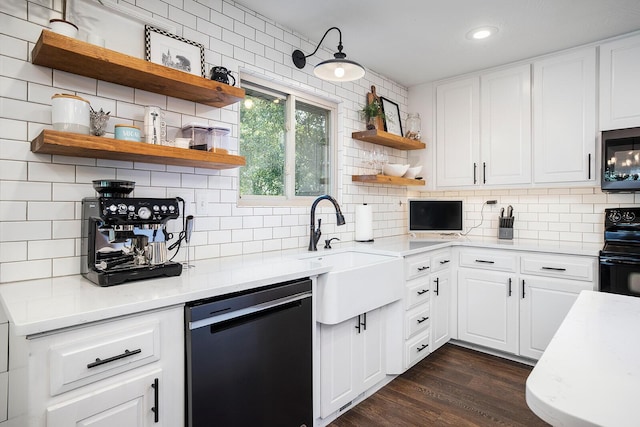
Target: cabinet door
[(488, 309), (441, 312), (564, 114), (457, 132), (505, 112), (544, 304), (338, 347), (619, 84), (372, 359), (131, 403)]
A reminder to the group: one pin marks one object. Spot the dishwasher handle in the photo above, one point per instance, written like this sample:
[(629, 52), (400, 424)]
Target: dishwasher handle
[(248, 310)]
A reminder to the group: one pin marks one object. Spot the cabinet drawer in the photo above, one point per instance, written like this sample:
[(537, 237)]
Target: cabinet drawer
[(440, 261), (84, 359), (489, 260), (416, 349), (417, 292), (562, 266), (416, 266), (417, 320)]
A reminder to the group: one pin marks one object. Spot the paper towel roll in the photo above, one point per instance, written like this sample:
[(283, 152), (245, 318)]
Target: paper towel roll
[(364, 223)]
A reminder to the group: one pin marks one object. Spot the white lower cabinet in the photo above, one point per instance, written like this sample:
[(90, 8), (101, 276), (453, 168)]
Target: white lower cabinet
[(488, 309), (125, 372), (352, 359), (442, 313)]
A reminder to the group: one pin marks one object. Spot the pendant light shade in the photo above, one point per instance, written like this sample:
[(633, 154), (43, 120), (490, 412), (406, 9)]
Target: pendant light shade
[(338, 69)]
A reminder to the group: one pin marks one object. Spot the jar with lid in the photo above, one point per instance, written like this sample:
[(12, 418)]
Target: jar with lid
[(413, 126)]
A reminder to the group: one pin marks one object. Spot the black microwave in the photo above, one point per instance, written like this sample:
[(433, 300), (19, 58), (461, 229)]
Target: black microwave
[(621, 160)]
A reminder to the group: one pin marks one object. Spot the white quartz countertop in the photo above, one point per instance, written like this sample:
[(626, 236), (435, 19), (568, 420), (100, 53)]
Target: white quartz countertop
[(589, 375), (43, 305)]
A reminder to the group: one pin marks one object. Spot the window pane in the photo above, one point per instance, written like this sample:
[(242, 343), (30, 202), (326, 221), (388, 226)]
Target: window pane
[(262, 142), (312, 150)]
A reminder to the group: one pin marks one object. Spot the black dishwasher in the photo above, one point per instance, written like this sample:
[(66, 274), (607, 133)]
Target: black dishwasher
[(249, 358)]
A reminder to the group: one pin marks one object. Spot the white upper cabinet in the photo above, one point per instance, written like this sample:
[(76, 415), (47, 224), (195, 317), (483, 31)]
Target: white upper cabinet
[(483, 129), (457, 132), (620, 83), (564, 114), (505, 123)]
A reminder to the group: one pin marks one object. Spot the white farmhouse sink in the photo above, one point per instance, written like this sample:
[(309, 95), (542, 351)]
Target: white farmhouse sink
[(358, 282)]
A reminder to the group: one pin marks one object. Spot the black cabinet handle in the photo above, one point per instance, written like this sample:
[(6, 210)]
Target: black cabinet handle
[(437, 280), (589, 166), (126, 353), (422, 347), (484, 173), (554, 268), (475, 167), (364, 325), (522, 288), (358, 324), (156, 401), (509, 286), (423, 319), (444, 262), (423, 291), (424, 267), (483, 261)]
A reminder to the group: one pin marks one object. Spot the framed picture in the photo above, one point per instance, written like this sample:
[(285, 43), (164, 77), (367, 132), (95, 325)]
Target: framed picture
[(391, 110), (173, 51)]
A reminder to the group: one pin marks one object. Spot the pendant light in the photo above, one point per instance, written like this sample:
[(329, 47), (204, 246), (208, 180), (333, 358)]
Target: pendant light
[(338, 69)]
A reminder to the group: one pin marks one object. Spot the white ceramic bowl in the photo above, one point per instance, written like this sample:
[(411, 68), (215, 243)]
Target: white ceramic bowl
[(412, 172), (394, 169)]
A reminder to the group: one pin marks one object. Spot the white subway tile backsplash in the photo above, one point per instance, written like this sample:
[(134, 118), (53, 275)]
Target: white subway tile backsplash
[(16, 231), (66, 266), (20, 190), (13, 251), (66, 229), (14, 170), (25, 270), (72, 192), (43, 249), (13, 211), (42, 211), (49, 172)]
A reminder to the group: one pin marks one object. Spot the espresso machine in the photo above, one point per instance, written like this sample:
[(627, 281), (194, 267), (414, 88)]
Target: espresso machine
[(124, 238)]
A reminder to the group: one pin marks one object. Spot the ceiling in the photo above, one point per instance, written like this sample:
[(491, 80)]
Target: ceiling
[(417, 41)]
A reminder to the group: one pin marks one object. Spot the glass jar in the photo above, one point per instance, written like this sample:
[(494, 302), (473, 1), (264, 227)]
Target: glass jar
[(413, 126)]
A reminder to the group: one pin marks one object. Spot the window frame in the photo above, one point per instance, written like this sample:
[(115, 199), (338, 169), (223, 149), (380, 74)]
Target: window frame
[(293, 95)]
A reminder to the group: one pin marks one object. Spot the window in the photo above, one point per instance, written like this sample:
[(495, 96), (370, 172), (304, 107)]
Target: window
[(285, 162)]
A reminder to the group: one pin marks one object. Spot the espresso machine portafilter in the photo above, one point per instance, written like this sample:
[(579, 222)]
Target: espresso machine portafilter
[(124, 238)]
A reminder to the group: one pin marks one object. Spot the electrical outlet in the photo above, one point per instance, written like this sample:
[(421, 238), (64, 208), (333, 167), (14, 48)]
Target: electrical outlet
[(202, 203)]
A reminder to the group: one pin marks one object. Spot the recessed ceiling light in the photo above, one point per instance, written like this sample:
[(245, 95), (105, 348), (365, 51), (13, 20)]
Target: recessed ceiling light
[(481, 33)]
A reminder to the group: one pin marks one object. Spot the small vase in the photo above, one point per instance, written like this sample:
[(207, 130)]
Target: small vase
[(371, 123), (63, 27)]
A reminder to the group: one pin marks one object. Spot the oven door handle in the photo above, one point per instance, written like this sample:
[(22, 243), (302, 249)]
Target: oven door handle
[(619, 261)]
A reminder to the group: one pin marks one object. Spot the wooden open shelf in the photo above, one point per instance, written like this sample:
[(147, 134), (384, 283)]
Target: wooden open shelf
[(387, 139), (75, 56), (79, 145), (384, 179)]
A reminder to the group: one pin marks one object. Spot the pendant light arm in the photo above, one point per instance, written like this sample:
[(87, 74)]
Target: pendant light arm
[(322, 39)]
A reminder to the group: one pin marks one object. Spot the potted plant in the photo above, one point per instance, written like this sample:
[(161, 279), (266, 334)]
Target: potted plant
[(370, 112)]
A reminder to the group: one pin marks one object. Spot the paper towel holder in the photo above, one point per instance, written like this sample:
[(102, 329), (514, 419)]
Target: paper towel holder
[(368, 234)]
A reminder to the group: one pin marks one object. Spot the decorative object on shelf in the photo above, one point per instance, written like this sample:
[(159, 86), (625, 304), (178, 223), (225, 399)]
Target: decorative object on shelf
[(127, 132), (222, 75), (155, 126), (98, 120), (371, 112), (70, 113), (413, 126), (64, 27), (205, 137), (338, 69), (173, 51), (412, 172), (376, 160), (394, 169), (391, 112)]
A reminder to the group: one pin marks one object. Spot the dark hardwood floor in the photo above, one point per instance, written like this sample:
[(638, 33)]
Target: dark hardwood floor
[(454, 386)]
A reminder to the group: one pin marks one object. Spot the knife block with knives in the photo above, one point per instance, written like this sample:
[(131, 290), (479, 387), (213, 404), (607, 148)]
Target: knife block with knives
[(505, 224)]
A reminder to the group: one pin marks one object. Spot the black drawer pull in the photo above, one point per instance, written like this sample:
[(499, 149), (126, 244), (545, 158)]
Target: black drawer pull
[(554, 268), (444, 262), (424, 291), (423, 319), (156, 401), (126, 353), (485, 261), (422, 347), (423, 268)]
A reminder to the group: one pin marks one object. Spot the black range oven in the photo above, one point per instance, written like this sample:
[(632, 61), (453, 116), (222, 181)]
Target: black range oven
[(620, 256)]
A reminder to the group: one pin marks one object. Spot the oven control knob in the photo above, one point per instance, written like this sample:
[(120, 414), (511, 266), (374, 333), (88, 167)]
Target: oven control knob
[(163, 208), (144, 212), (629, 216), (615, 216), (113, 208)]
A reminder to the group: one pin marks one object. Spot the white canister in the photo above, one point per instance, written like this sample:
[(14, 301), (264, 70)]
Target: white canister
[(70, 113), (63, 27), (155, 127)]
